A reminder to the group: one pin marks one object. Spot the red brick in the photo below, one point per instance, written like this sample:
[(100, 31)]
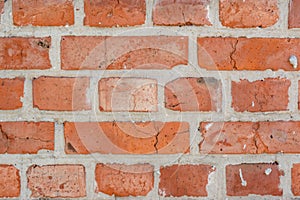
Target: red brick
[(56, 181), (109, 13), (248, 14), (247, 53), (124, 180), (194, 94), (177, 13), (24, 53), (128, 52), (184, 180), (61, 93), (11, 92), (1, 6), (126, 137), (259, 179), (260, 96), (26, 137), (296, 179), (43, 13), (128, 94), (294, 14), (9, 182), (298, 95), (250, 137)]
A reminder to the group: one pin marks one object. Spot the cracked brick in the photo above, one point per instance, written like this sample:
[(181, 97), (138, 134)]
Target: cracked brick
[(126, 137), (250, 137)]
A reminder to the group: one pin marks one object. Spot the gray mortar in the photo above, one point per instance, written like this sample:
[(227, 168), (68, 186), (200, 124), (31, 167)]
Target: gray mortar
[(217, 186)]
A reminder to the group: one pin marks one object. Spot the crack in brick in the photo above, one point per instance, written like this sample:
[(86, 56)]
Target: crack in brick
[(257, 140), (232, 60), (4, 137)]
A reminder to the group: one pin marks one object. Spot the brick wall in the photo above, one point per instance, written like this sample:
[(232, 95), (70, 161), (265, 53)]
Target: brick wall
[(149, 99)]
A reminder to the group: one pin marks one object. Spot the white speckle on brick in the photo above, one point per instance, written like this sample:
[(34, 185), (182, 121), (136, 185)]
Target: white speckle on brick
[(252, 104), (244, 147), (243, 181), (207, 127), (268, 171), (294, 61), (162, 192)]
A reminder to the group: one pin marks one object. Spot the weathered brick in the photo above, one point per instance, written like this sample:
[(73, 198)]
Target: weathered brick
[(24, 53), (248, 14), (194, 94), (296, 179), (250, 137), (177, 13), (128, 52), (294, 14), (184, 180), (270, 94), (26, 137), (1, 7), (109, 13), (9, 182), (61, 93), (43, 13), (126, 137), (11, 92), (56, 181), (124, 180), (260, 179), (128, 94), (247, 53)]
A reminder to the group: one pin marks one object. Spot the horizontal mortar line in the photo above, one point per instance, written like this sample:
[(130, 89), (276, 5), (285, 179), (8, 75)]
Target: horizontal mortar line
[(161, 159), (147, 116), (205, 31), (176, 72)]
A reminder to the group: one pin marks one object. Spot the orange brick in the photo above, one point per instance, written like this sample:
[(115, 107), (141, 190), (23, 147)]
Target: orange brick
[(296, 179), (61, 93), (124, 53), (128, 94), (126, 137), (259, 179), (184, 180), (26, 137), (250, 137), (177, 13), (294, 14), (24, 53), (10, 181), (11, 92), (270, 94), (43, 13), (109, 13), (194, 94), (56, 181), (247, 53), (124, 180), (248, 14)]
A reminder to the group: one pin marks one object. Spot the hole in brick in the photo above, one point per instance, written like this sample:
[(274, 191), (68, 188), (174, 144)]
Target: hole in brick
[(43, 44)]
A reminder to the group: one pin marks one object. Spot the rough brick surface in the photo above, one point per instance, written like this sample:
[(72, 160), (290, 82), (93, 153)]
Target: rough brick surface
[(126, 137), (260, 179), (26, 137), (9, 182), (61, 93), (124, 180), (194, 94), (128, 94), (260, 96), (1, 7), (298, 95), (43, 13), (248, 14), (296, 179), (11, 92), (294, 14), (129, 52), (109, 13), (247, 53), (188, 12), (56, 181), (24, 53), (184, 180), (250, 137)]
